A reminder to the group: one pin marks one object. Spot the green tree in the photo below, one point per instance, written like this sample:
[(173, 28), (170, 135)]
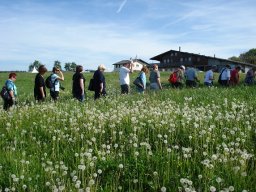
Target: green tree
[(35, 64), (247, 57), (234, 58), (70, 66), (67, 66), (73, 66), (57, 64)]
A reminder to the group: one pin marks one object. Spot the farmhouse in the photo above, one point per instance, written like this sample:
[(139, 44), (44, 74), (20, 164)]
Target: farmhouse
[(137, 64), (173, 59)]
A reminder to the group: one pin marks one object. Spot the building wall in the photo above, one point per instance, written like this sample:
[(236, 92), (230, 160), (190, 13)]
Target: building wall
[(175, 59), (136, 66)]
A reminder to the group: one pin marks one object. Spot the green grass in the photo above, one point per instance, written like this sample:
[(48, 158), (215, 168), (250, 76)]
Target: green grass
[(171, 140)]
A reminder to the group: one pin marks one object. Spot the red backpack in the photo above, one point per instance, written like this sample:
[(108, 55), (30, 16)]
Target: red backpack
[(173, 77)]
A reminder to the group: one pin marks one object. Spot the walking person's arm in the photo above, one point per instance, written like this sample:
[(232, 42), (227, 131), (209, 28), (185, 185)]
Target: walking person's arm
[(82, 85)]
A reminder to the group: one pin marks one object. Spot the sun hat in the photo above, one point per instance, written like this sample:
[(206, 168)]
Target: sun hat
[(183, 67)]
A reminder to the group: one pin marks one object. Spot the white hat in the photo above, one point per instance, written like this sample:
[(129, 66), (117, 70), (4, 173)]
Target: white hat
[(183, 67)]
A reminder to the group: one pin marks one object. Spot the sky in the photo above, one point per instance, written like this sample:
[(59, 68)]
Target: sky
[(94, 32)]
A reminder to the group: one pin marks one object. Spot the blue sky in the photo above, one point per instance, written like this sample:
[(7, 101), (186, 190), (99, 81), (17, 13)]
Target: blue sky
[(93, 32)]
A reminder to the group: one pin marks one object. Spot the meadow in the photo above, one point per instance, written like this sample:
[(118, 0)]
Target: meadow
[(184, 140)]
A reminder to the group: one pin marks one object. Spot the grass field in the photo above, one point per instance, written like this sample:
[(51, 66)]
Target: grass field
[(184, 140)]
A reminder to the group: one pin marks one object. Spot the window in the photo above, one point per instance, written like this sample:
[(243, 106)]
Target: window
[(181, 59), (189, 59), (175, 54), (137, 65)]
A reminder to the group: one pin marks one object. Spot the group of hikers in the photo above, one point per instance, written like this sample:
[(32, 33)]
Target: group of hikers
[(9, 90), (179, 78)]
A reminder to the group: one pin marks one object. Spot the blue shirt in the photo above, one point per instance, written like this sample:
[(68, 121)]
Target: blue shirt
[(143, 79), (55, 81), (191, 74), (11, 86)]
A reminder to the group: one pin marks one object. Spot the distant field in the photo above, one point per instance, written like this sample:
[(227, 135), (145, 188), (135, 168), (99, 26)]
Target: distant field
[(184, 140)]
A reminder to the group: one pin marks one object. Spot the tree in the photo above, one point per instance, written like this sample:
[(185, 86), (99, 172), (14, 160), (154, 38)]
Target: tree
[(35, 64), (73, 66), (57, 64), (67, 66), (247, 57), (234, 58), (70, 66)]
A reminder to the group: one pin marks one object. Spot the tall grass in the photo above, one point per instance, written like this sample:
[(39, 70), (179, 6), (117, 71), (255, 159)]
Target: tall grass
[(173, 140)]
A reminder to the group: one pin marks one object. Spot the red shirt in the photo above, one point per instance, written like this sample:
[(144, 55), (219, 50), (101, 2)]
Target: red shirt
[(234, 77)]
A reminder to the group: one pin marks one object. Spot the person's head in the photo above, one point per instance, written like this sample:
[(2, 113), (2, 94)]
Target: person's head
[(101, 67), (155, 67), (213, 68), (182, 67), (144, 69), (228, 67), (127, 65), (79, 68), (42, 69), (12, 76), (55, 70), (238, 68)]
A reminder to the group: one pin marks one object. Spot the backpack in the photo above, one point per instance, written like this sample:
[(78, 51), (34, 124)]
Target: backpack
[(91, 85), (173, 77), (48, 82), (5, 93), (219, 80)]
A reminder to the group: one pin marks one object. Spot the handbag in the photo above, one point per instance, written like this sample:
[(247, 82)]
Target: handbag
[(138, 82), (91, 85)]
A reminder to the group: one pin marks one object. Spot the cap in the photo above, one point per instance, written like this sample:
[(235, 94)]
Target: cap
[(183, 67)]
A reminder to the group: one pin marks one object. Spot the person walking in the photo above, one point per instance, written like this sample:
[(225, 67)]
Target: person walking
[(177, 77), (250, 76), (124, 77), (234, 76), (191, 77), (209, 77), (154, 78), (39, 87), (225, 76), (78, 84), (56, 77), (12, 91), (99, 82), (143, 79)]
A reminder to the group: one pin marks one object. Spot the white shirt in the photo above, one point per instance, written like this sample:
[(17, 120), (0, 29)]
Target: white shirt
[(124, 76), (208, 76), (225, 75)]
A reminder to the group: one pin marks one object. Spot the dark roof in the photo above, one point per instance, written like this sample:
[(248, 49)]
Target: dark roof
[(122, 62), (129, 61), (159, 57)]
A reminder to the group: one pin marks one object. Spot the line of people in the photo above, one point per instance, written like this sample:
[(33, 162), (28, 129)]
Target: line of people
[(178, 79), (182, 77)]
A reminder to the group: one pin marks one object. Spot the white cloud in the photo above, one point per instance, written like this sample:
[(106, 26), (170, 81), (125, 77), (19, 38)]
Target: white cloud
[(38, 34)]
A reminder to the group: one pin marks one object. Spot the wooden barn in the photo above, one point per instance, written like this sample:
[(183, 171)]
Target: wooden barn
[(173, 59)]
